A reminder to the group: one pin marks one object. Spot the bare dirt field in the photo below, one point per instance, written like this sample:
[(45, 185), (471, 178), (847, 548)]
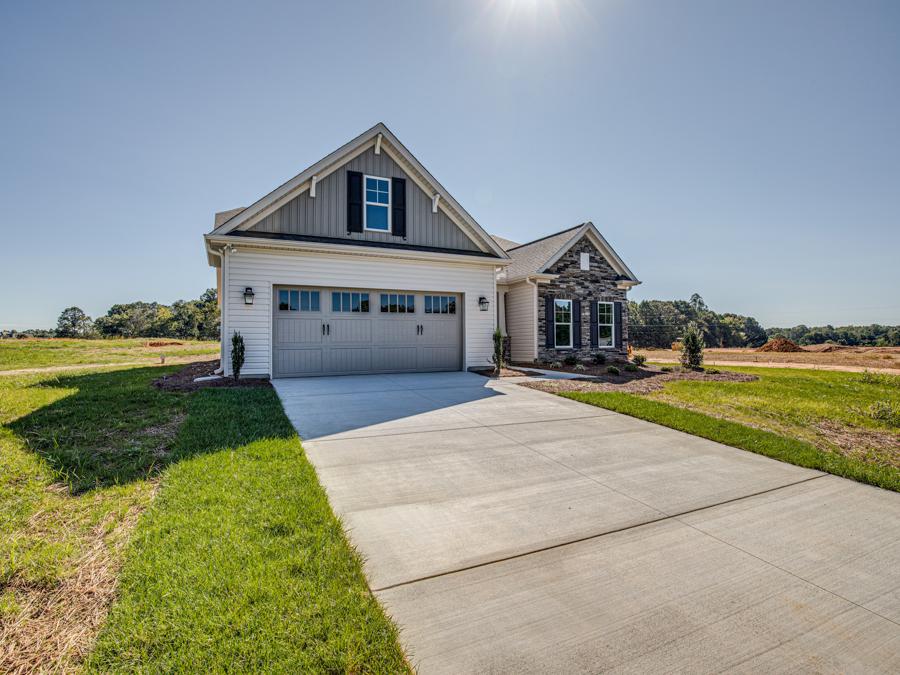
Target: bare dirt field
[(828, 357)]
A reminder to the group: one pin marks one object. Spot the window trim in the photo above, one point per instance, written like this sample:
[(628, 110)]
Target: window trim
[(568, 323), (611, 324), (366, 203)]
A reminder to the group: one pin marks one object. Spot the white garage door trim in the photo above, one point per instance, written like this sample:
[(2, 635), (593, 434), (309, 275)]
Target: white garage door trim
[(343, 339)]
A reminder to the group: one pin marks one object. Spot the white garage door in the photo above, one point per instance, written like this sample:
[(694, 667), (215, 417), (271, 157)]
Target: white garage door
[(342, 331)]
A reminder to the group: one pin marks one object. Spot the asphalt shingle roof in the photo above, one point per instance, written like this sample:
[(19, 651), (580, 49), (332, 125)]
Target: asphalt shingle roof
[(531, 258)]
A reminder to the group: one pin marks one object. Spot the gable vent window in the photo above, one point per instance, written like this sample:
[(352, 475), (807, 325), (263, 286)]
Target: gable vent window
[(605, 324), (377, 211), (585, 261)]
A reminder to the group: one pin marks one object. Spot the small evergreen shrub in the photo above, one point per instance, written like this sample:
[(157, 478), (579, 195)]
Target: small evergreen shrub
[(692, 347), (237, 354), (713, 371), (612, 370), (570, 360), (666, 369), (580, 367), (498, 350), (556, 364), (630, 367), (639, 360), (600, 358)]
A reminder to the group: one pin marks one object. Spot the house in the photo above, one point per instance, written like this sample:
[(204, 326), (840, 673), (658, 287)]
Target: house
[(564, 295), (364, 263)]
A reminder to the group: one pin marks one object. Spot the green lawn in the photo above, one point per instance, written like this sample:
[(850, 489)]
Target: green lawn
[(843, 423), (238, 562), (40, 353)]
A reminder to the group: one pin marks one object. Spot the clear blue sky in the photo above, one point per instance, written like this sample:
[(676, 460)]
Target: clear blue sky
[(749, 151)]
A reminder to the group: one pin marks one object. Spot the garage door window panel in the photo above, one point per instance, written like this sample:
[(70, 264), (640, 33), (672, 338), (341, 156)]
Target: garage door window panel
[(398, 303), (343, 301), (440, 304), (295, 300)]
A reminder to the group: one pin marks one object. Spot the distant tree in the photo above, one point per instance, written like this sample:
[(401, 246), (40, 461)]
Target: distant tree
[(74, 323)]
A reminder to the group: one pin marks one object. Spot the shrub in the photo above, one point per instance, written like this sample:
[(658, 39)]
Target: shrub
[(630, 367), (639, 360), (612, 370), (498, 350), (237, 354), (692, 347), (600, 358), (884, 411), (580, 367), (868, 377), (570, 360), (666, 369), (556, 364), (713, 371)]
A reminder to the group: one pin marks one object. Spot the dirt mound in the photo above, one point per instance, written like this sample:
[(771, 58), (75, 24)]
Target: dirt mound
[(780, 345), (826, 348)]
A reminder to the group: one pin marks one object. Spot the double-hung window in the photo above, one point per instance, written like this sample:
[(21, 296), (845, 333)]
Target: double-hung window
[(605, 324), (377, 211), (562, 317)]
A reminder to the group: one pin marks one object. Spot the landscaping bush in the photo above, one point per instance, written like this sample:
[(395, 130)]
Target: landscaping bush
[(556, 364), (692, 348), (713, 371), (612, 370), (639, 360), (498, 350), (580, 367), (631, 368), (600, 358), (570, 360), (237, 354), (666, 369)]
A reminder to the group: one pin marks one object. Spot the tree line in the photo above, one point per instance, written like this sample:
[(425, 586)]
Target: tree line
[(185, 319), (659, 323)]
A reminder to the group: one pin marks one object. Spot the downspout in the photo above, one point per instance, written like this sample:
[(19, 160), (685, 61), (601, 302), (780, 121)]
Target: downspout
[(529, 281), (221, 256)]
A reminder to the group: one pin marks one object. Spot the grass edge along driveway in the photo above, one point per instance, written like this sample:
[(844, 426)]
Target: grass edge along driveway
[(743, 437), (240, 564)]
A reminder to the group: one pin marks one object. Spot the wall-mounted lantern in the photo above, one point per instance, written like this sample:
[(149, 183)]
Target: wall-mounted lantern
[(483, 303), (248, 296)]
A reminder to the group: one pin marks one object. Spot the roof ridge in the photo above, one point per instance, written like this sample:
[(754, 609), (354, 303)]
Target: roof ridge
[(534, 241)]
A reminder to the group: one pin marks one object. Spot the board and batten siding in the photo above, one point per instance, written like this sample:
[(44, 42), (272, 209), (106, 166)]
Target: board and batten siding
[(262, 270), (520, 322), (325, 215)]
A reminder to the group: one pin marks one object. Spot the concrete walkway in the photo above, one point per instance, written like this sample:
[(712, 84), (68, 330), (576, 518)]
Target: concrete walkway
[(509, 530)]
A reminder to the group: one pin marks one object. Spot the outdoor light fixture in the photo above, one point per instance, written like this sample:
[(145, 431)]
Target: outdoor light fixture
[(248, 296), (483, 303)]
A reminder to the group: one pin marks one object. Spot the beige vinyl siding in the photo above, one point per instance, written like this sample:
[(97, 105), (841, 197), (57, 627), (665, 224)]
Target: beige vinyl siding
[(261, 270), (521, 322), (325, 215)]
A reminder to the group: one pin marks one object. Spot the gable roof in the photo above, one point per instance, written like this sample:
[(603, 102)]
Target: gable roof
[(505, 243), (378, 136), (537, 256)]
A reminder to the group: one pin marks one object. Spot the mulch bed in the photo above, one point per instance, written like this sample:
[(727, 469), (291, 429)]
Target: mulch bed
[(642, 381), (504, 372), (183, 380)]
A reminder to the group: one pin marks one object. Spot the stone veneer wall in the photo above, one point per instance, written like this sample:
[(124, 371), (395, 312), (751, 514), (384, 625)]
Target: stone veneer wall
[(596, 284)]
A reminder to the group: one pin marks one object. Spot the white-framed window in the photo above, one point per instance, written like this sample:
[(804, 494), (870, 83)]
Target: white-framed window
[(562, 318), (585, 261), (377, 207), (606, 324)]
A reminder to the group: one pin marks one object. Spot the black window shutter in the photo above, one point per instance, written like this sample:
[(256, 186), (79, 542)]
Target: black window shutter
[(398, 207), (354, 201), (550, 323), (576, 323), (618, 313), (594, 341)]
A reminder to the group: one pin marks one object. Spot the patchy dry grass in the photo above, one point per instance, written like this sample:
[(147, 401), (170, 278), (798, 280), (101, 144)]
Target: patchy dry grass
[(76, 453)]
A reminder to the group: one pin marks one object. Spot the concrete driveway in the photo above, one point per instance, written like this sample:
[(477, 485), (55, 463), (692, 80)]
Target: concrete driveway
[(509, 530)]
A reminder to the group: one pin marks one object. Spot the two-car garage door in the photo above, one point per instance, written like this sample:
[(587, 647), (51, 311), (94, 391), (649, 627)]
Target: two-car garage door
[(336, 331)]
